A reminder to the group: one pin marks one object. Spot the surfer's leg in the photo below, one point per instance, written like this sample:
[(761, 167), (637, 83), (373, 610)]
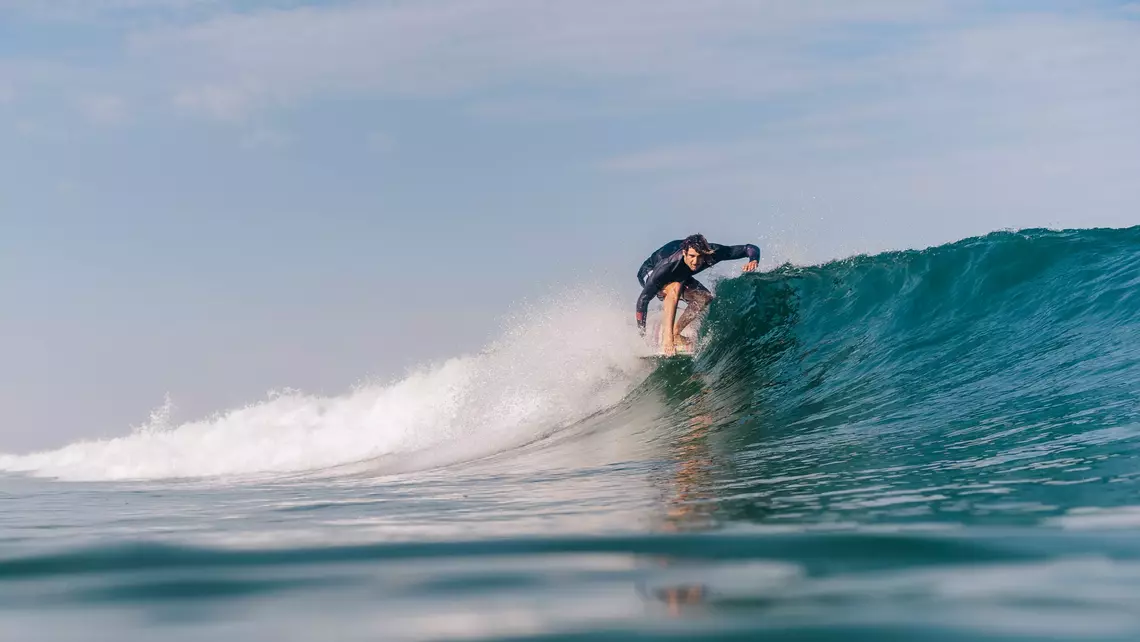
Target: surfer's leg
[(672, 294), (696, 297)]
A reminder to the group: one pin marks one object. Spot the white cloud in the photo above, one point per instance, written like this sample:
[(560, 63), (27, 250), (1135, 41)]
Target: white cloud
[(676, 48), (1028, 109), (1025, 78)]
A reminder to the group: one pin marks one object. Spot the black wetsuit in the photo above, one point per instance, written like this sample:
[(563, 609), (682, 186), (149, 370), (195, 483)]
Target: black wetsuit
[(667, 265)]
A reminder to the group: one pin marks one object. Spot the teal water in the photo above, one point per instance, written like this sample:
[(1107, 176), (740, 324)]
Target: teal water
[(939, 444)]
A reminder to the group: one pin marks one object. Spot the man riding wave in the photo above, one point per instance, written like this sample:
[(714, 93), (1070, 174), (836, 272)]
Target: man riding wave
[(668, 274)]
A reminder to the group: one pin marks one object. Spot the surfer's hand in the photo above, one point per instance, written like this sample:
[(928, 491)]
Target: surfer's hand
[(749, 266)]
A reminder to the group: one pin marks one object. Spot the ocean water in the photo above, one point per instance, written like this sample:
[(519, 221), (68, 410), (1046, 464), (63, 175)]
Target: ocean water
[(938, 445)]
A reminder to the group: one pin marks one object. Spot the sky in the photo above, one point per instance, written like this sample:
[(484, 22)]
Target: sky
[(213, 199)]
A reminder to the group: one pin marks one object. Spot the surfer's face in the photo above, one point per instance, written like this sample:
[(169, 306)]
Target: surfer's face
[(692, 258)]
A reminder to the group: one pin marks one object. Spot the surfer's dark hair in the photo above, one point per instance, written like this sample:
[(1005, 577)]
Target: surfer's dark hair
[(698, 243)]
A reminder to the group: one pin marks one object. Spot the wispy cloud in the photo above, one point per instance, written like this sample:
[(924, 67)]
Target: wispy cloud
[(1016, 121), (841, 91), (1033, 77), (675, 48)]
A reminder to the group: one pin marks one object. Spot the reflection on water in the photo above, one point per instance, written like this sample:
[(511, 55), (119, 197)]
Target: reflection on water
[(689, 501)]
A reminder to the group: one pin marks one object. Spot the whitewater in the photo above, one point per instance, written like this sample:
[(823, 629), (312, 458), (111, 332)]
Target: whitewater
[(924, 444), (529, 382)]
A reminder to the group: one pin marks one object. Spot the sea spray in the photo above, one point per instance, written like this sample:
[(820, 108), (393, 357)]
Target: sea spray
[(554, 364)]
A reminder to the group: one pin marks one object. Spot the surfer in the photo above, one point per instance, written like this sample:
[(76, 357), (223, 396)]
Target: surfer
[(668, 273)]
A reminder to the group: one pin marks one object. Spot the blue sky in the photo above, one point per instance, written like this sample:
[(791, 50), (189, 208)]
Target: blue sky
[(215, 199)]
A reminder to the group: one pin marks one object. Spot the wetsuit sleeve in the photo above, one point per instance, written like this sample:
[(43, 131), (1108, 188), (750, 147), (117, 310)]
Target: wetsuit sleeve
[(662, 253), (644, 271), (652, 285), (733, 252)]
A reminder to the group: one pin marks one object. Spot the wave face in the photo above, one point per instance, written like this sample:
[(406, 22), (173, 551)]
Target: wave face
[(1031, 329), (1012, 354)]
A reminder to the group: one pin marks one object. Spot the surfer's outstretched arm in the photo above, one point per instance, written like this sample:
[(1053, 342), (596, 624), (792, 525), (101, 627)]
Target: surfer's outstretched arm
[(734, 252)]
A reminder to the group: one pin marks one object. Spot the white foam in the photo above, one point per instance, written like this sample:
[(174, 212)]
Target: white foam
[(1093, 518), (554, 364)]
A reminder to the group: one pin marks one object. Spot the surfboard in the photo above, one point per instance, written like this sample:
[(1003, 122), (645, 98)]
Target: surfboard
[(661, 357), (681, 353)]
